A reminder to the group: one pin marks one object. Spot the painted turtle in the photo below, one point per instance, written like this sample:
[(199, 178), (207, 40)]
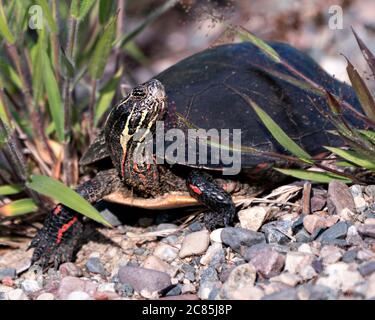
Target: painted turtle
[(204, 91)]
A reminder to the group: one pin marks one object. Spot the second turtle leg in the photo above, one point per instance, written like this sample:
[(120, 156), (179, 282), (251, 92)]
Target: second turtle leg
[(62, 228), (214, 197)]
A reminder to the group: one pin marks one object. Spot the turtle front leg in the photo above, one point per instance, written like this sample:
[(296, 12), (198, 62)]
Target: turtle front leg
[(62, 229), (214, 197)]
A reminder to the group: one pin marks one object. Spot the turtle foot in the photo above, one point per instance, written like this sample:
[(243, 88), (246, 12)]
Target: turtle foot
[(56, 241)]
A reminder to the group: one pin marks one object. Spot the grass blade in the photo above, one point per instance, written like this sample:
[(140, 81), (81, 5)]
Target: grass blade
[(353, 157), (246, 35), (18, 207), (4, 29), (278, 133), (106, 9), (103, 49), (106, 96), (363, 93), (54, 97), (63, 194), (10, 189), (367, 54), (321, 177)]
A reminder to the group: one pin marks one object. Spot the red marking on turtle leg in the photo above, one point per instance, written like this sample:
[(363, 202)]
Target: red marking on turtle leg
[(195, 189), (57, 209), (65, 228)]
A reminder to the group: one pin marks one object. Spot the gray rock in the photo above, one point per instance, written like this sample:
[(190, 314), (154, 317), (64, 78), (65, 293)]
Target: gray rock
[(275, 231), (209, 274), (286, 294), (337, 231), (339, 198), (298, 224), (367, 230), (166, 226), (174, 291), (124, 289), (3, 296), (320, 292), (268, 262), (70, 269), (8, 273), (208, 289), (367, 268), (370, 191), (302, 236), (238, 237), (240, 284), (144, 279), (195, 226), (359, 201), (350, 256), (94, 265), (215, 255), (317, 203), (110, 217)]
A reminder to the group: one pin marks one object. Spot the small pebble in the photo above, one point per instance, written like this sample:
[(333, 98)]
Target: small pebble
[(94, 265), (195, 243)]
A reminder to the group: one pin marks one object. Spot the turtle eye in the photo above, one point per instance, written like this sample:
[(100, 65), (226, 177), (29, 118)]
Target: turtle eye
[(139, 92)]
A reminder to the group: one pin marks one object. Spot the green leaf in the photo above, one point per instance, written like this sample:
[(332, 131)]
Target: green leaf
[(353, 157), (54, 97), (86, 5), (106, 9), (277, 132), (106, 95), (48, 15), (4, 29), (370, 135), (38, 65), (321, 177), (18, 207), (246, 35), (10, 73), (103, 49), (10, 189), (61, 193), (363, 93)]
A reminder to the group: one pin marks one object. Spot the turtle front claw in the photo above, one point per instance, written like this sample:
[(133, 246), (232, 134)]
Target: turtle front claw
[(57, 239)]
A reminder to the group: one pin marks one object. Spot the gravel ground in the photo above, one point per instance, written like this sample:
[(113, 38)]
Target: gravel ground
[(296, 243)]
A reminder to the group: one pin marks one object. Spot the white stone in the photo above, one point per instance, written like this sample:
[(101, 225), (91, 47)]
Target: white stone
[(155, 263), (106, 287), (46, 296), (296, 261), (287, 278), (166, 252), (370, 292), (253, 218), (305, 248), (17, 294), (195, 243), (340, 277), (331, 254), (79, 295), (30, 286), (215, 235)]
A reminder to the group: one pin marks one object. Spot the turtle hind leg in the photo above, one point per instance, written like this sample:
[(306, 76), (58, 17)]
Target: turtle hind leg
[(57, 240), (219, 202)]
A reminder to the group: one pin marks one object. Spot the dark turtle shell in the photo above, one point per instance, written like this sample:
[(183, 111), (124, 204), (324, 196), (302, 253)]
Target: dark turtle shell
[(203, 92)]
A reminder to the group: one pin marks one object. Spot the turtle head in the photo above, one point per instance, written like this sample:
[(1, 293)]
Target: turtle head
[(130, 122), (146, 105)]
